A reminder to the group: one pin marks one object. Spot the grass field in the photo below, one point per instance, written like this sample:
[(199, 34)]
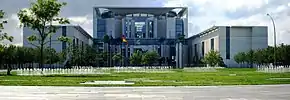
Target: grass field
[(176, 78)]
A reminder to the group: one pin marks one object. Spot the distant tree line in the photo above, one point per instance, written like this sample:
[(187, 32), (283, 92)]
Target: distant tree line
[(265, 56)]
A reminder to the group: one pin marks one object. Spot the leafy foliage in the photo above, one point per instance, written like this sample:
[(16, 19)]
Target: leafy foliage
[(150, 57), (40, 17), (136, 58), (213, 58), (265, 56), (117, 57), (3, 36), (20, 57)]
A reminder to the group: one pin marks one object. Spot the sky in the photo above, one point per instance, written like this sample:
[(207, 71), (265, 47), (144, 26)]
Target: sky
[(203, 14)]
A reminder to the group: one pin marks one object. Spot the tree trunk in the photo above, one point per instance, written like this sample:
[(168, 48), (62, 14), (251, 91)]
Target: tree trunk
[(9, 69), (41, 56)]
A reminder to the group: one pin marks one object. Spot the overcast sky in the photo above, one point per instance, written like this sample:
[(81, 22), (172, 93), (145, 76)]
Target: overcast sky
[(202, 14)]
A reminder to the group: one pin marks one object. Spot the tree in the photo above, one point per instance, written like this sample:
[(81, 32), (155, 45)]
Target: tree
[(40, 17), (212, 58), (9, 57), (150, 57), (117, 57), (249, 58), (240, 58), (136, 58), (3, 36)]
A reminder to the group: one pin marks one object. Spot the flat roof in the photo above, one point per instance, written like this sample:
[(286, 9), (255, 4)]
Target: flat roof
[(77, 27), (148, 10)]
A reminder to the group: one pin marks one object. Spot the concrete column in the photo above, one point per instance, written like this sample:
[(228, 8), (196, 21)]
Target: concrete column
[(132, 29), (155, 27), (179, 55), (147, 28), (123, 26)]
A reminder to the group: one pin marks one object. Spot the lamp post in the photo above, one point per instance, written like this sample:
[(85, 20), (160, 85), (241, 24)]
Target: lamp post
[(274, 37)]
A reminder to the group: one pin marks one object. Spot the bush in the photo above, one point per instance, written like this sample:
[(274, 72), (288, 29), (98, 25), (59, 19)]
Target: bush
[(213, 58)]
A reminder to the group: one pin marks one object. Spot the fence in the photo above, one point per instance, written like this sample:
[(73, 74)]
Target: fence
[(273, 68), (84, 70)]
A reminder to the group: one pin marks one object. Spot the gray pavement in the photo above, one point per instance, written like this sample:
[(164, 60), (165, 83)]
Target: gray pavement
[(261, 92)]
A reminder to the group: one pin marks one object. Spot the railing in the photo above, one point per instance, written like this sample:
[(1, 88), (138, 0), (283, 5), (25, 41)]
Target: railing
[(273, 69), (84, 70)]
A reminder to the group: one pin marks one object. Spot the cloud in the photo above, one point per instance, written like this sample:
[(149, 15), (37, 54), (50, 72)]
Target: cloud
[(206, 13), (78, 11), (202, 13), (85, 22), (13, 29)]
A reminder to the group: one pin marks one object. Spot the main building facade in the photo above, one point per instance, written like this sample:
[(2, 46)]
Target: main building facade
[(145, 28), (158, 28)]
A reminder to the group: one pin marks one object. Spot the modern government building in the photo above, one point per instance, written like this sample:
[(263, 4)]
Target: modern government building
[(158, 28)]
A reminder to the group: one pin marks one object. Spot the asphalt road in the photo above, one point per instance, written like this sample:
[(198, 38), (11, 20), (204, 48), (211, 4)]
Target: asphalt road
[(261, 92)]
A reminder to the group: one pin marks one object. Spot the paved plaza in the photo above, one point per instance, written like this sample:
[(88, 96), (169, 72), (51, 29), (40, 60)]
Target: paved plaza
[(261, 92)]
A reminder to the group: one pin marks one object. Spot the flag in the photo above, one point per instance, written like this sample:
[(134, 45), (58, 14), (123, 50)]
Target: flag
[(124, 39)]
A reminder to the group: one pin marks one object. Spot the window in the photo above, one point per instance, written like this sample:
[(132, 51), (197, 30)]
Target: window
[(212, 44), (77, 42), (172, 51), (159, 51), (74, 42), (101, 28), (179, 27), (82, 45), (202, 48), (228, 42), (195, 52), (151, 29), (128, 28)]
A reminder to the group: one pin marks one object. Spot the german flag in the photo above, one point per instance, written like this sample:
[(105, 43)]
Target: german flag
[(124, 39)]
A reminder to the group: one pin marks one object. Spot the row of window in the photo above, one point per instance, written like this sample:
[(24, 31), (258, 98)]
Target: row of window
[(203, 46), (139, 28)]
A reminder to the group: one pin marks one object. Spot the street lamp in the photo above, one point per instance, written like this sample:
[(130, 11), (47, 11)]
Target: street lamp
[(274, 37)]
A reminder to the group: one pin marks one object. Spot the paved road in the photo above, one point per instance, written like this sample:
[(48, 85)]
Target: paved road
[(270, 92)]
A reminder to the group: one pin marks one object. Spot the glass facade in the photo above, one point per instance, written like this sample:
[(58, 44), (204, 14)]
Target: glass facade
[(140, 27), (128, 28), (101, 28), (228, 42), (179, 27)]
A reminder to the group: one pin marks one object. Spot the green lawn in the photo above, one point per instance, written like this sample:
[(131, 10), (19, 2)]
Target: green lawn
[(177, 78)]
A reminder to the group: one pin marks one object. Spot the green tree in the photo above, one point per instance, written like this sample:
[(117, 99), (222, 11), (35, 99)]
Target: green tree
[(249, 58), (9, 57), (240, 58), (212, 58), (3, 35), (136, 58), (150, 57), (40, 17)]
